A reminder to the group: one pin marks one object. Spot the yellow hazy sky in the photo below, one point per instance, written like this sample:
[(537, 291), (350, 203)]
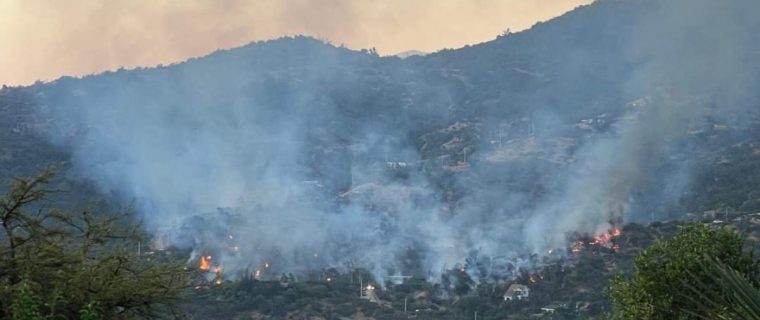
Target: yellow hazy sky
[(44, 39)]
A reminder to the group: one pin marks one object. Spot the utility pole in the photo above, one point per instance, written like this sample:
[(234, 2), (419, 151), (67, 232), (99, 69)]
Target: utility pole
[(139, 244), (361, 286), (476, 315), (405, 305)]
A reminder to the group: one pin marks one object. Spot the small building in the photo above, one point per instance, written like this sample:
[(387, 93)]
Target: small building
[(709, 214), (396, 165), (517, 292), (368, 293), (420, 296), (582, 306), (550, 309)]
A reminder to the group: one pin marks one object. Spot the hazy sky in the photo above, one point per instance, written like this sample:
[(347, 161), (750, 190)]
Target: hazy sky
[(44, 39)]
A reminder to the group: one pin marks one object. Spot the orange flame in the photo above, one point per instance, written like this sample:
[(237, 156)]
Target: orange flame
[(601, 239), (606, 237), (205, 263)]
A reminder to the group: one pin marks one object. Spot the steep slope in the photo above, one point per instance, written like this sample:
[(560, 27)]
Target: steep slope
[(500, 148)]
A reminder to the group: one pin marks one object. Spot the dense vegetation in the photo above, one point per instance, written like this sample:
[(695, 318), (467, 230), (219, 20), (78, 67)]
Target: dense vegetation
[(63, 266), (450, 105), (499, 118), (662, 285), (655, 274), (60, 265)]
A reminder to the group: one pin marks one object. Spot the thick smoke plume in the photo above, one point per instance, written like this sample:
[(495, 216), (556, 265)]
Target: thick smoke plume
[(295, 156), (693, 65)]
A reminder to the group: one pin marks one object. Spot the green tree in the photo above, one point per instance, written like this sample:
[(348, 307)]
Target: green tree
[(90, 311), (737, 298), (661, 286), (26, 304), (58, 265)]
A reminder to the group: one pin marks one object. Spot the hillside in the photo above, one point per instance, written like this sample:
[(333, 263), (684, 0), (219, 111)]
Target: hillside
[(519, 77), (309, 156), (568, 288)]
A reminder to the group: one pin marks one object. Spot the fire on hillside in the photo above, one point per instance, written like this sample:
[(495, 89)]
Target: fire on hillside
[(605, 239)]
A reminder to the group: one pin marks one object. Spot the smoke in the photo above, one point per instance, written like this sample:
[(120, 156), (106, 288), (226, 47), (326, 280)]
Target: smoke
[(693, 64), (293, 155)]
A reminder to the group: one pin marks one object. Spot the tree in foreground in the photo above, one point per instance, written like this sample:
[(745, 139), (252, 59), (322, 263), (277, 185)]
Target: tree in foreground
[(741, 301), (667, 275), (58, 265)]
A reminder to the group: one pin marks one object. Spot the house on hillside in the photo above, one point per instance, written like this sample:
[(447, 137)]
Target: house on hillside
[(397, 279), (396, 165), (368, 293), (517, 292), (552, 308)]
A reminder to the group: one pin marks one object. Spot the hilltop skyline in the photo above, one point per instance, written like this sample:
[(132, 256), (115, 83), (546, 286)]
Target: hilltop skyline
[(43, 39)]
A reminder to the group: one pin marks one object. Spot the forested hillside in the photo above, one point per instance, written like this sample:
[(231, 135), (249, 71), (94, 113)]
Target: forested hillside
[(508, 91), (467, 164)]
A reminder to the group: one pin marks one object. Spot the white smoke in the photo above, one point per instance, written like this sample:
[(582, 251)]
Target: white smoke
[(273, 154)]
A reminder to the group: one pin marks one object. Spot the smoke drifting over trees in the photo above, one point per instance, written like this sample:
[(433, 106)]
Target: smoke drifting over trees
[(300, 154)]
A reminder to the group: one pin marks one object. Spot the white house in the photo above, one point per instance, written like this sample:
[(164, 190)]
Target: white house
[(517, 292)]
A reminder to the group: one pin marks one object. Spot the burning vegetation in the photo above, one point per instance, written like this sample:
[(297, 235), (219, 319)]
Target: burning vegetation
[(605, 239), (205, 263)]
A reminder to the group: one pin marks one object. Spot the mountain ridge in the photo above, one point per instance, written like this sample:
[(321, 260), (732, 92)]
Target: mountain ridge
[(514, 76), (560, 129)]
